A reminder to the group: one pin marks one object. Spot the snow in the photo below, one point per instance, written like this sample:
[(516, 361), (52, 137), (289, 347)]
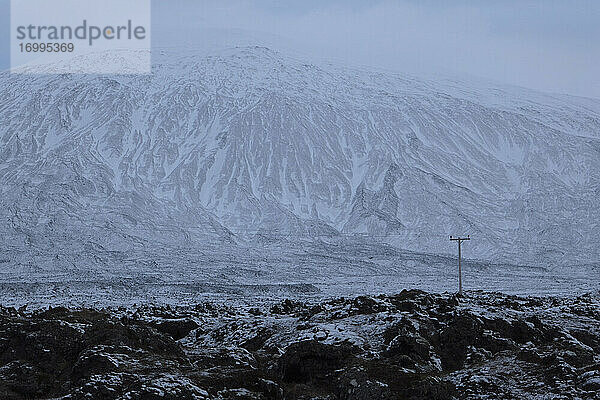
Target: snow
[(137, 187)]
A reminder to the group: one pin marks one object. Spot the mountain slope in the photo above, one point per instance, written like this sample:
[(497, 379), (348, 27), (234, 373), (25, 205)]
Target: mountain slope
[(224, 146)]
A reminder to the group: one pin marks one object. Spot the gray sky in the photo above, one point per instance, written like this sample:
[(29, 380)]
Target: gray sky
[(549, 45)]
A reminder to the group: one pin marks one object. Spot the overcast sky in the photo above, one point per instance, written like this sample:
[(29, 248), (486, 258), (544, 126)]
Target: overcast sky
[(549, 45)]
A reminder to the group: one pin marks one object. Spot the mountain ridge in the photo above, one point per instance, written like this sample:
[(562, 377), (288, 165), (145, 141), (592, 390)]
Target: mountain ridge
[(251, 141)]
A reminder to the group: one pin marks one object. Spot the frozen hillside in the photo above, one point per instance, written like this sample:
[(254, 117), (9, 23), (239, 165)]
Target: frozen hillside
[(247, 145)]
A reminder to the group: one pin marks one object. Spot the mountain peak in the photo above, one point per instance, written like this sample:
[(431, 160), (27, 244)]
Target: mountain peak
[(245, 138)]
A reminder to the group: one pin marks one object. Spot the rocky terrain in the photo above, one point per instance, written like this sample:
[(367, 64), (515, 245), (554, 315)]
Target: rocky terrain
[(411, 345)]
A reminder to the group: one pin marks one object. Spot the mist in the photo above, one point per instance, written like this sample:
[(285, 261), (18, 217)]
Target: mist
[(546, 45)]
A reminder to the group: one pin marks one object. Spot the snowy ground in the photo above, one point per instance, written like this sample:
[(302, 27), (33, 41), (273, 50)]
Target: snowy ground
[(246, 275)]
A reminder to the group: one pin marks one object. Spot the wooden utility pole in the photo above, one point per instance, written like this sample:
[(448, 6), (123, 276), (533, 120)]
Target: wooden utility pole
[(459, 240)]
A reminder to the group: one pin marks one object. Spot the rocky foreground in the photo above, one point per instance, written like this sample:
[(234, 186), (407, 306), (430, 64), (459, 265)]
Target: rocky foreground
[(412, 345)]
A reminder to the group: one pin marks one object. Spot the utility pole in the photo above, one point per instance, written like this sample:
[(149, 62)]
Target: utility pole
[(459, 240)]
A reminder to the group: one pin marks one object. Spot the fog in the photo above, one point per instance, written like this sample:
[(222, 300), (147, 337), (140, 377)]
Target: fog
[(542, 44), (548, 45)]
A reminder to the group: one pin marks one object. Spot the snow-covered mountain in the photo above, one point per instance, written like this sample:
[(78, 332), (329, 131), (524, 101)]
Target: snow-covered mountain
[(248, 142)]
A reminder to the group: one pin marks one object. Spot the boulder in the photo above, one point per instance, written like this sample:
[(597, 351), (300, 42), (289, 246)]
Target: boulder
[(310, 360), (453, 341), (176, 328)]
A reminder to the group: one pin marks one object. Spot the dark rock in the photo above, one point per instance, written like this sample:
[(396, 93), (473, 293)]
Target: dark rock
[(93, 361), (88, 354), (239, 394), (413, 295), (144, 387), (355, 384), (20, 380), (434, 388), (446, 305), (176, 328), (270, 389), (403, 326), (575, 353), (311, 360), (407, 306), (287, 306), (37, 356), (529, 355), (452, 342), (555, 368), (413, 346), (496, 344), (54, 313), (257, 341), (590, 382), (411, 300), (519, 330), (135, 335), (314, 310), (366, 305), (587, 337), (255, 311)]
